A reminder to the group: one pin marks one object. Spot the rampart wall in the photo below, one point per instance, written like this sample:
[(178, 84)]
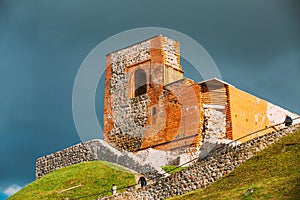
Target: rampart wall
[(93, 150)]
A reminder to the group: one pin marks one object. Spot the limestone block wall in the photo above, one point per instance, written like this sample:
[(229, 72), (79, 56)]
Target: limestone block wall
[(203, 173), (161, 158), (94, 150)]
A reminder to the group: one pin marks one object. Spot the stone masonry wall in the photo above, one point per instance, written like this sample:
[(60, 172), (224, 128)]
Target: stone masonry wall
[(214, 133), (128, 115), (93, 150), (157, 117), (172, 52), (207, 171), (173, 70), (214, 105), (66, 157)]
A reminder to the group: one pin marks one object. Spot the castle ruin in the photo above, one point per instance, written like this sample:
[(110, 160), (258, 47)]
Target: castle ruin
[(154, 116), (150, 104)]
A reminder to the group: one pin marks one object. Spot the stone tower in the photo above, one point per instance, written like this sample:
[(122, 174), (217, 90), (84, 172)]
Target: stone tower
[(141, 107)]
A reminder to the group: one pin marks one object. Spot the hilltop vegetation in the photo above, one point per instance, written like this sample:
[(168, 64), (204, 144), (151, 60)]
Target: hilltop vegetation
[(271, 174), (87, 178), (171, 169)]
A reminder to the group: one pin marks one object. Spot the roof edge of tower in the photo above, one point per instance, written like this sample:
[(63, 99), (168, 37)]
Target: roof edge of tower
[(160, 35), (215, 79)]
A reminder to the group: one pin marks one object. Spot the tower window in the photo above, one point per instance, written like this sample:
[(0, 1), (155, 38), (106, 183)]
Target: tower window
[(140, 86)]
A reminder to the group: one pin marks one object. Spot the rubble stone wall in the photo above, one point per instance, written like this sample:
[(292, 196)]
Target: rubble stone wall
[(127, 117), (94, 150), (66, 157)]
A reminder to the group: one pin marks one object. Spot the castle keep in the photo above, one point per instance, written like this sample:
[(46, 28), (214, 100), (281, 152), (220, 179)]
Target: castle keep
[(150, 104)]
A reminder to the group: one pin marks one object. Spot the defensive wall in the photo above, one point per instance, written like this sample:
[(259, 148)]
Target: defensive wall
[(93, 150)]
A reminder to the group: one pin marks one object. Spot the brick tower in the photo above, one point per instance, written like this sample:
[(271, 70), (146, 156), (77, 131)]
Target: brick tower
[(144, 91)]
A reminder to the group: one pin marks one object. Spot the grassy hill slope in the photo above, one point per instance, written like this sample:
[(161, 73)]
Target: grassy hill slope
[(94, 177), (271, 174)]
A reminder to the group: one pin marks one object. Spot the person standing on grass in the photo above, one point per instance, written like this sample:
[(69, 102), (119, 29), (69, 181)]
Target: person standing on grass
[(114, 189)]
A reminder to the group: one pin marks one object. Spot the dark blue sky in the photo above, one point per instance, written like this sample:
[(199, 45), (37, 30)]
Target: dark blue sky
[(255, 44)]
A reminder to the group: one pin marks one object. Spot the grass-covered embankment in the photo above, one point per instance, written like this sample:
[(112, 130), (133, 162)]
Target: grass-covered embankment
[(86, 178)]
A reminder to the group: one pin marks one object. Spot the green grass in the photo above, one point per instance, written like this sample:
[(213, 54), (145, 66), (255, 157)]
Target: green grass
[(171, 169), (95, 177), (273, 174)]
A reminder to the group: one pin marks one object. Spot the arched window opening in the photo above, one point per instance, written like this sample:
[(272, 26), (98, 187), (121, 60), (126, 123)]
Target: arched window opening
[(140, 86)]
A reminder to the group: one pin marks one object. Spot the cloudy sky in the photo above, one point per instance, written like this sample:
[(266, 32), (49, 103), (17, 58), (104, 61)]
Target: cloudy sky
[(255, 44)]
